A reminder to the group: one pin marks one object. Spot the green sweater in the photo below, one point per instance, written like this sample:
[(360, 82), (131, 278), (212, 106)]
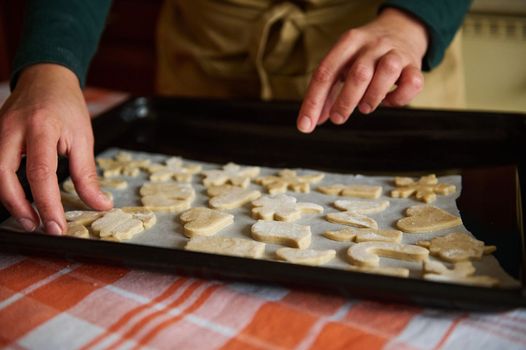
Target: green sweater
[(67, 32)]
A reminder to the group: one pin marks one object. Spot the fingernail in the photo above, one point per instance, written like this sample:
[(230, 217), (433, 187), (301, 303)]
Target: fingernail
[(365, 108), (27, 224), (105, 197), (53, 228), (305, 124), (337, 118)]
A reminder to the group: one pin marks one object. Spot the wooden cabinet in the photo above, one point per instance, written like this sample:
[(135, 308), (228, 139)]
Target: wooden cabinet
[(126, 56)]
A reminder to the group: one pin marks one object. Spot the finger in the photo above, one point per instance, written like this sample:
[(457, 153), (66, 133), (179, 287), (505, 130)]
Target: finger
[(356, 83), (41, 173), (411, 82), (324, 77), (329, 102), (12, 194), (387, 72), (84, 176)]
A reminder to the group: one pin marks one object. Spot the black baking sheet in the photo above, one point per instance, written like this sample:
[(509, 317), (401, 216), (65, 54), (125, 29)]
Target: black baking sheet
[(485, 148)]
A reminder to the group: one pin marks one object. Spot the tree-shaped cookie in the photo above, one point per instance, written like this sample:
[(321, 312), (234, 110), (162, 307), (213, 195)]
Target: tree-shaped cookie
[(288, 179), (426, 218), (230, 174), (279, 232), (425, 189), (122, 164), (456, 247), (282, 208), (357, 191), (204, 221), (173, 169), (230, 197), (368, 253), (167, 196)]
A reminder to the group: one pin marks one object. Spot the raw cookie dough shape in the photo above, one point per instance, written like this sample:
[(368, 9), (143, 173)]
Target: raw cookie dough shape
[(459, 269), (352, 219), (456, 247), (426, 218), (462, 272), (285, 233), (77, 230), (361, 206), (351, 234), (147, 216), (282, 208), (368, 253), (231, 174), (82, 217), (425, 189), (167, 196), (204, 221), (230, 197), (173, 168), (357, 191), (382, 270), (118, 224), (288, 179), (306, 256), (122, 164), (227, 246), (106, 183)]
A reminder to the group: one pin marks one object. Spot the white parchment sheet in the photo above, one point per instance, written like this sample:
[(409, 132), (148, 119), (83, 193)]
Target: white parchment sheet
[(168, 232)]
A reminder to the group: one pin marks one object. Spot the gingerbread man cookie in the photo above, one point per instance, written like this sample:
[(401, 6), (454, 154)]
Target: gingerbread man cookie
[(230, 174), (288, 179), (282, 208), (123, 164), (174, 169)]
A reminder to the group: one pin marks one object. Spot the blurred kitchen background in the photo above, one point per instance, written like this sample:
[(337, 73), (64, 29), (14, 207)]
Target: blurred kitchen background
[(493, 39)]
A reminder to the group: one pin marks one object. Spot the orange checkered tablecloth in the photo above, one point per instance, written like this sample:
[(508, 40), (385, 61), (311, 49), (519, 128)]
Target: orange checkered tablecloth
[(58, 304)]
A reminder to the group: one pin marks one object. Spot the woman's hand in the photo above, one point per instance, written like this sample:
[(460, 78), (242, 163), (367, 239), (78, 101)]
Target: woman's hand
[(45, 116), (361, 69)]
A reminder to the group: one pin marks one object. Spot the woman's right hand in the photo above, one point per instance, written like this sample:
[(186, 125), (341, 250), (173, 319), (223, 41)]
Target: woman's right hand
[(44, 117)]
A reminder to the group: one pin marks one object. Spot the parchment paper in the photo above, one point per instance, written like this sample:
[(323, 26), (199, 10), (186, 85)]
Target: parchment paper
[(168, 231)]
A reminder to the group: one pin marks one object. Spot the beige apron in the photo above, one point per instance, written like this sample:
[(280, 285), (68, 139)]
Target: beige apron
[(266, 49)]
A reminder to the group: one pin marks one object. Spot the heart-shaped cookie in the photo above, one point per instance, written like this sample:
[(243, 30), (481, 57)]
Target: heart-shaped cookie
[(426, 218), (204, 221)]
